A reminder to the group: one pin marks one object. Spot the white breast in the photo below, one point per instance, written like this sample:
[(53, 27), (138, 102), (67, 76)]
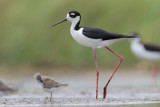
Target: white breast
[(83, 40)]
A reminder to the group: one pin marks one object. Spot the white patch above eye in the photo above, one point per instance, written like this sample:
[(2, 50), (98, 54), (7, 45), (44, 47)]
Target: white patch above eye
[(72, 13)]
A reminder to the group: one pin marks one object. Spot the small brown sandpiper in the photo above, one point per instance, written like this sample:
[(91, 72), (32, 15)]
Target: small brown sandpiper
[(48, 84), (7, 88)]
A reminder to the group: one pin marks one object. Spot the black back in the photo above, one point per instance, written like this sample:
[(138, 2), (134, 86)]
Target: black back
[(96, 33), (151, 47)]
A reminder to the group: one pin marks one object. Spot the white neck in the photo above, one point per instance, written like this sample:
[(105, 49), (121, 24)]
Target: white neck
[(136, 40), (75, 22)]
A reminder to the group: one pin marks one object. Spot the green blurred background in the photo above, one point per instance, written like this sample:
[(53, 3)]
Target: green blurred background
[(27, 39)]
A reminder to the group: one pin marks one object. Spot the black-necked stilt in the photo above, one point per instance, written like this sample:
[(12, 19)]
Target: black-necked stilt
[(145, 50), (150, 52), (95, 38)]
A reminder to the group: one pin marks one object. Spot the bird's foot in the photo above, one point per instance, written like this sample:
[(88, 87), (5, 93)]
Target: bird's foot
[(104, 92)]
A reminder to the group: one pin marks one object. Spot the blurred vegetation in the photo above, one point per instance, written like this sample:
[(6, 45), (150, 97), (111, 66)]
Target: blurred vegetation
[(26, 36)]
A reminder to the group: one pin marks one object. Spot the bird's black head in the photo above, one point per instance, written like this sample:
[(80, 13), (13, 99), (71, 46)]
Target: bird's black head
[(72, 16), (136, 38), (137, 35)]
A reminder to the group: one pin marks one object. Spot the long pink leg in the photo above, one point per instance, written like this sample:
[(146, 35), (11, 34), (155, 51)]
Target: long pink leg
[(121, 59), (97, 73), (155, 75)]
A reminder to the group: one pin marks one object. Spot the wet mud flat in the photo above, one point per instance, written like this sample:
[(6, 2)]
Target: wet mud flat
[(69, 102), (77, 97), (126, 88)]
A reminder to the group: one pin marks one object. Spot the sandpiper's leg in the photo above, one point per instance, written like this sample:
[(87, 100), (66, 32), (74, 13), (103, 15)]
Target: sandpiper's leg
[(97, 72), (121, 59), (51, 97)]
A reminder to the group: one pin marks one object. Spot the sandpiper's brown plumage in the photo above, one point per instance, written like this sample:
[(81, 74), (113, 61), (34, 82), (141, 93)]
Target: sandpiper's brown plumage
[(48, 84), (6, 88)]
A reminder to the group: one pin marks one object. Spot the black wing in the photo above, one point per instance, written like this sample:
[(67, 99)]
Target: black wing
[(96, 33), (151, 47)]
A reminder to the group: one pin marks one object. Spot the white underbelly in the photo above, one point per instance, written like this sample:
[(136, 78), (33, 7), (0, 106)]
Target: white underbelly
[(141, 52), (51, 89), (85, 41)]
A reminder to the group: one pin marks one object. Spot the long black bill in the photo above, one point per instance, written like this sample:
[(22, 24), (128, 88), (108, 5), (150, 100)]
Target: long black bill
[(59, 22)]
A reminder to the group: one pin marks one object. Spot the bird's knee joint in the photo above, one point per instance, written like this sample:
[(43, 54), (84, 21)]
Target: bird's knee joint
[(121, 58), (98, 73)]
